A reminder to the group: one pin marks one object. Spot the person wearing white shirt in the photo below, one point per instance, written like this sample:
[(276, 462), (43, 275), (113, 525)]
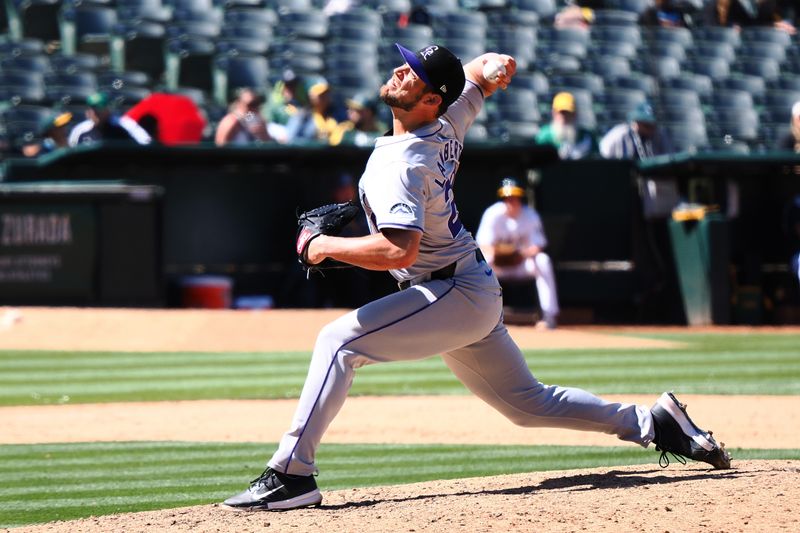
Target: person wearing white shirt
[(512, 238)]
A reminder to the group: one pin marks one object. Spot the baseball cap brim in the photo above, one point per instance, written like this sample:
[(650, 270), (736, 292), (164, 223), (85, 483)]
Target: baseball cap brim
[(414, 62)]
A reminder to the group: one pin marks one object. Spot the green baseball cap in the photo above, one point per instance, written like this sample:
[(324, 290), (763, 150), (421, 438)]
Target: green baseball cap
[(98, 101)]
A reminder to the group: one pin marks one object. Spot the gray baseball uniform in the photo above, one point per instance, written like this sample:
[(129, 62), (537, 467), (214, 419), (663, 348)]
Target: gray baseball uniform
[(452, 306)]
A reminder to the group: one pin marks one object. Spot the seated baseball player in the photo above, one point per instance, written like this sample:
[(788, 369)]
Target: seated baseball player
[(512, 239)]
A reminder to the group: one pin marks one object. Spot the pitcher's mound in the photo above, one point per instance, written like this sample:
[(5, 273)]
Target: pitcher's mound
[(753, 496)]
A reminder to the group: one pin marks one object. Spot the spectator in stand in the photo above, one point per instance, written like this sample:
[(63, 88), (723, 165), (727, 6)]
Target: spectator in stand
[(669, 14), (52, 135), (317, 123), (574, 16), (362, 126), (571, 141), (104, 124), (739, 13), (287, 97), (512, 239), (243, 124), (791, 140), (170, 119), (639, 138)]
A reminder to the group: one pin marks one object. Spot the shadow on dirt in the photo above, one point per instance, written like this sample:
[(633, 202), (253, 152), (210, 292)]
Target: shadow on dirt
[(613, 479)]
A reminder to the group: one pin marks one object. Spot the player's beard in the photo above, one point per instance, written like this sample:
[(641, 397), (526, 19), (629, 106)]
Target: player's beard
[(394, 101)]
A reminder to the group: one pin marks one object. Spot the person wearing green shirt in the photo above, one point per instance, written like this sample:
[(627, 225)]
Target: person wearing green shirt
[(571, 140)]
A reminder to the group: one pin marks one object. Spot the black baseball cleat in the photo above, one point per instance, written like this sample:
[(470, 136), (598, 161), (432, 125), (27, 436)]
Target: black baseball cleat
[(275, 491), (675, 433)]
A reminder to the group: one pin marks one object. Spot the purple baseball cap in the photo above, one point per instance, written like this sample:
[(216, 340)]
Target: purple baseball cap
[(438, 68)]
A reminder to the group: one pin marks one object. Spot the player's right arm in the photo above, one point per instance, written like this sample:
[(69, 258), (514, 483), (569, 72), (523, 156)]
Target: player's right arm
[(389, 249), (474, 72)]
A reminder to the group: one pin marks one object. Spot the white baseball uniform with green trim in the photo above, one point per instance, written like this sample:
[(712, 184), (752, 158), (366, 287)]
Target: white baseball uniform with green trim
[(408, 184)]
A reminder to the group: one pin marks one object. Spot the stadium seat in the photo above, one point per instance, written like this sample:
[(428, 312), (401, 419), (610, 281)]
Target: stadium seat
[(234, 45), (767, 68), (127, 97), (634, 6), (311, 24), (641, 82), (194, 28), (591, 82), (70, 88), (536, 81), (87, 28), (517, 104), (21, 123), (787, 81), (123, 79), (146, 10), (621, 98), (188, 63), (759, 50), (777, 98), (412, 36), (234, 72), (600, 49), (698, 83), (250, 16), (687, 135), (711, 49), (661, 67), (718, 34), (139, 46), (22, 86), (519, 131), (250, 32), (732, 98), (439, 6), (715, 68), (37, 19), (75, 63), (678, 114), (546, 9), (764, 34), (18, 47), (608, 66), (464, 48), (679, 98), (200, 6), (755, 85), (475, 134), (617, 34), (666, 49), (31, 63), (615, 17), (661, 34)]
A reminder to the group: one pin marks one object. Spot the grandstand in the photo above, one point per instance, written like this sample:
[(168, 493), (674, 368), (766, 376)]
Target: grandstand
[(714, 88)]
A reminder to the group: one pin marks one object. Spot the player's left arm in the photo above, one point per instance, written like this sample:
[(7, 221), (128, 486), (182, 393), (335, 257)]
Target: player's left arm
[(388, 249), (474, 72)]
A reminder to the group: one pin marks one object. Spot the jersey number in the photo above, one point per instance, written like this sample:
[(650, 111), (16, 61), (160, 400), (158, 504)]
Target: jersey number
[(454, 222)]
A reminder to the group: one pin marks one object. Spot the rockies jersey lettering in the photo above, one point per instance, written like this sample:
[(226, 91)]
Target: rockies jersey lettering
[(408, 184)]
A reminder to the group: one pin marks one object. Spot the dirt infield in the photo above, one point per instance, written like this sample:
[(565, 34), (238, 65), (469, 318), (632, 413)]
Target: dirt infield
[(757, 496), (754, 496)]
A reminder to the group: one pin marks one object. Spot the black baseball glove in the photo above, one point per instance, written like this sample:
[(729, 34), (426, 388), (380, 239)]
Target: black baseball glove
[(326, 220)]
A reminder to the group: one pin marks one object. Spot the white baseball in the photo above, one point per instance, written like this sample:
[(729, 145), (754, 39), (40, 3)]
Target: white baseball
[(492, 69)]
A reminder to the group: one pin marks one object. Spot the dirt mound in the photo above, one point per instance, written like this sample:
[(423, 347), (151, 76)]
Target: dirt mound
[(753, 496)]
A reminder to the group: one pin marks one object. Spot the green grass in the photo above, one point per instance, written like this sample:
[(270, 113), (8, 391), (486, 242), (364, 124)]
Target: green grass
[(714, 364), (46, 482)]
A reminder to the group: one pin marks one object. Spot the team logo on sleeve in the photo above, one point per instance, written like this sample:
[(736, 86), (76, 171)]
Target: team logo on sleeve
[(401, 208)]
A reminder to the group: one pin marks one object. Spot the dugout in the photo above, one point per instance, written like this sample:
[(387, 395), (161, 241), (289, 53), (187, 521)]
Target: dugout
[(231, 211), (80, 243)]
